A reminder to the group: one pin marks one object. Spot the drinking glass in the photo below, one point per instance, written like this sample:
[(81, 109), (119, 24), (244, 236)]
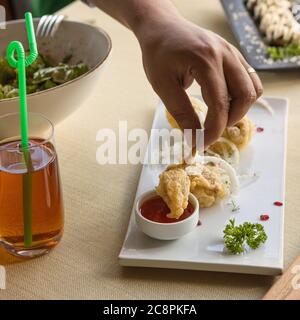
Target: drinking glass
[(29, 185)]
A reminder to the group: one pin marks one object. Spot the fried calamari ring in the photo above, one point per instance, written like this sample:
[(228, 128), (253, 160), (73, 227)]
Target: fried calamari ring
[(208, 186), (226, 149), (241, 133), (200, 109), (211, 179)]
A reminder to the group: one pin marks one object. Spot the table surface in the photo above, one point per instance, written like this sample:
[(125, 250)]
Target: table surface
[(98, 199)]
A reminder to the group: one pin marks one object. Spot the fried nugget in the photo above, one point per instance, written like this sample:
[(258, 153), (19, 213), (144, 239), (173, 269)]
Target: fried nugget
[(241, 133), (209, 183), (174, 188), (225, 149), (208, 187)]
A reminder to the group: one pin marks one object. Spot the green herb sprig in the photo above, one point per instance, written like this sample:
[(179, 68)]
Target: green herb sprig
[(235, 206), (279, 53), (236, 237)]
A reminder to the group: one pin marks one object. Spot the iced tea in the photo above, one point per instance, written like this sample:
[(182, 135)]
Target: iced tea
[(47, 216)]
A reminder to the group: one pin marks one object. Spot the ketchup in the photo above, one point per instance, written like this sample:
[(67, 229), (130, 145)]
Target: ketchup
[(155, 209)]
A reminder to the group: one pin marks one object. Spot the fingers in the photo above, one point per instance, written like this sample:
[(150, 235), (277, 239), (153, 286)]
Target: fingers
[(244, 88), (253, 76), (178, 104), (215, 95), (240, 87)]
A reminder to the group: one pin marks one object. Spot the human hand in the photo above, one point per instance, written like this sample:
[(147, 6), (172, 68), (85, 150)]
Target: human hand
[(175, 52)]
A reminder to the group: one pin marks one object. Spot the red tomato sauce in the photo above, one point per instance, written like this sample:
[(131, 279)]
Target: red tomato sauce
[(155, 209)]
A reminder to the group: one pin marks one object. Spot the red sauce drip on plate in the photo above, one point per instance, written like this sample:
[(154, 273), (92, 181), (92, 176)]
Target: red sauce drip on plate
[(155, 209), (264, 217), (259, 129)]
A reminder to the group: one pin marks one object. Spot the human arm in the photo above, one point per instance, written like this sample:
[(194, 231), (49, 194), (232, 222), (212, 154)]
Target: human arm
[(175, 52)]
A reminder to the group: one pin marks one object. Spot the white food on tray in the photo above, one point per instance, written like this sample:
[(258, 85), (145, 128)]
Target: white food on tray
[(203, 248), (276, 20)]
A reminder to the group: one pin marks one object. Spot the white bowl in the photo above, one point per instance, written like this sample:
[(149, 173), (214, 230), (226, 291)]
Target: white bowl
[(166, 231), (86, 43)]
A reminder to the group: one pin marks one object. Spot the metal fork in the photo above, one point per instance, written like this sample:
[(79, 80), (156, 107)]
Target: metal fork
[(48, 25)]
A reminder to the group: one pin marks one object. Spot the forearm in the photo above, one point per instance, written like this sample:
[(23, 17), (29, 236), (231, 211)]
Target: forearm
[(135, 13)]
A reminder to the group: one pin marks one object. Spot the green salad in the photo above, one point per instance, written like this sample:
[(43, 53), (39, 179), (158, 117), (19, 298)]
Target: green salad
[(41, 75)]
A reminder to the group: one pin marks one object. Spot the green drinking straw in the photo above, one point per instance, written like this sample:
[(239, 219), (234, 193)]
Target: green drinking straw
[(16, 49)]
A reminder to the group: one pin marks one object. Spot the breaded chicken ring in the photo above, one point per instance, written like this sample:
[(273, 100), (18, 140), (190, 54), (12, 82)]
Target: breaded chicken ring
[(241, 133)]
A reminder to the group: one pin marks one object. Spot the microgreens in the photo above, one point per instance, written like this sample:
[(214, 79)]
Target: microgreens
[(234, 206)]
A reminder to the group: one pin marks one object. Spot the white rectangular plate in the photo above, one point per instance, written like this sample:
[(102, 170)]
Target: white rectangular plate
[(203, 248)]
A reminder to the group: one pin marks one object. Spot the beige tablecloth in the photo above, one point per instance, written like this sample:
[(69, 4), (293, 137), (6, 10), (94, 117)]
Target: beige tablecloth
[(98, 199)]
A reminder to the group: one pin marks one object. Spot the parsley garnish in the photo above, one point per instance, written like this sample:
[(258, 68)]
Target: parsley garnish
[(235, 237)]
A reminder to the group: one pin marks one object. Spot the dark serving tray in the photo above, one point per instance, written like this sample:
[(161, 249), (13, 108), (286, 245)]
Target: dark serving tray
[(250, 39)]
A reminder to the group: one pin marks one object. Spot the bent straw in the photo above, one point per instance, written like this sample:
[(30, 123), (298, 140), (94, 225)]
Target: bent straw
[(15, 48)]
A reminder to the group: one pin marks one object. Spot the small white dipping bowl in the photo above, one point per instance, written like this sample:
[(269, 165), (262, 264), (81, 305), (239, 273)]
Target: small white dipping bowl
[(166, 231)]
